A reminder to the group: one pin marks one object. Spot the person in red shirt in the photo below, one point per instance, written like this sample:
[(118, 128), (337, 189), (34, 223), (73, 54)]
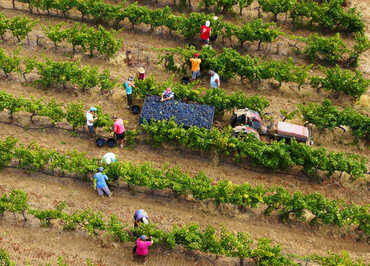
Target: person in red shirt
[(205, 32)]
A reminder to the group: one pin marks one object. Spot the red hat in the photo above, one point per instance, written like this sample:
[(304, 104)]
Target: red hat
[(196, 54)]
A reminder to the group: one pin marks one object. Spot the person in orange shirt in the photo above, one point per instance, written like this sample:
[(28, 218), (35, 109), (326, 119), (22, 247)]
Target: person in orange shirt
[(195, 66)]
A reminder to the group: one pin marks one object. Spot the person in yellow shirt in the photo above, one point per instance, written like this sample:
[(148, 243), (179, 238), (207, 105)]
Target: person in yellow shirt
[(195, 66)]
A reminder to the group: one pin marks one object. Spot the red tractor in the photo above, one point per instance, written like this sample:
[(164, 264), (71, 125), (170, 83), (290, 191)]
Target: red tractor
[(249, 121)]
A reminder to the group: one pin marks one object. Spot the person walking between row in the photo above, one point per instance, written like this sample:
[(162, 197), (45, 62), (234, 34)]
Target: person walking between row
[(129, 84), (195, 66), (99, 183), (90, 121), (119, 130), (167, 95), (215, 79), (205, 32)]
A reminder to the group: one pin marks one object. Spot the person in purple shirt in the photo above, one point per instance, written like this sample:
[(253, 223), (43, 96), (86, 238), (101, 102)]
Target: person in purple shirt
[(99, 183), (140, 216)]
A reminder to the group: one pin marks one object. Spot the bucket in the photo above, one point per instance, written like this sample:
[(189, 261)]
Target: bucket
[(111, 142), (135, 109), (185, 80), (100, 142)]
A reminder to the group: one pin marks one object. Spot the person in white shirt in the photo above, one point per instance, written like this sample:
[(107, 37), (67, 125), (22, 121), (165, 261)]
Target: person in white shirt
[(215, 79), (90, 121), (109, 158)]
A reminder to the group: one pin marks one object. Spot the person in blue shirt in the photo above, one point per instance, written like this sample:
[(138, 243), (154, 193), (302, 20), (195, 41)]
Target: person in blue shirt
[(129, 84), (99, 183), (167, 95)]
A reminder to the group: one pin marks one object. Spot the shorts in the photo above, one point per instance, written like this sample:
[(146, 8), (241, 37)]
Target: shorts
[(91, 130), (103, 190), (205, 41), (120, 136), (195, 74)]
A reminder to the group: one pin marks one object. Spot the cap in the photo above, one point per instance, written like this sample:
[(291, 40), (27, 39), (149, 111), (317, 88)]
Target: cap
[(208, 23), (141, 70), (92, 109), (101, 169), (196, 54), (211, 72), (143, 237), (145, 220)]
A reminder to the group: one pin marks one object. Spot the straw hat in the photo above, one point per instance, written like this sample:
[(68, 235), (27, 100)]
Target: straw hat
[(141, 70)]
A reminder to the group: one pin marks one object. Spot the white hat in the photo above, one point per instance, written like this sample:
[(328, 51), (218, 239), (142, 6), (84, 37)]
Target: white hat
[(145, 220), (208, 23)]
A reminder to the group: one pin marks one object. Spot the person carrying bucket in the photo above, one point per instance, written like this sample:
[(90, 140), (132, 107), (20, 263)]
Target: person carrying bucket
[(140, 216), (99, 183)]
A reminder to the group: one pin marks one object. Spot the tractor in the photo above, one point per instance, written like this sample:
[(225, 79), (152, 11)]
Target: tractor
[(246, 121)]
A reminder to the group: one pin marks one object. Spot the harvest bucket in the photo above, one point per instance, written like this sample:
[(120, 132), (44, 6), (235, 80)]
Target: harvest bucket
[(111, 142), (135, 109), (100, 142)]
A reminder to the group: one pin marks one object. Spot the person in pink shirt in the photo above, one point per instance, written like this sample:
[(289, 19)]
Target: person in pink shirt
[(119, 130), (142, 246)]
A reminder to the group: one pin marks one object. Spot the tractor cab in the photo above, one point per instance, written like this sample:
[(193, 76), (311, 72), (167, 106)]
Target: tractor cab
[(249, 121), (242, 130), (248, 117)]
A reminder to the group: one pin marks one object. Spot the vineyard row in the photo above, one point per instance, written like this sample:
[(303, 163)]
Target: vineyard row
[(328, 15), (325, 14), (200, 187), (80, 35), (332, 49), (229, 64), (324, 116), (191, 236), (277, 155)]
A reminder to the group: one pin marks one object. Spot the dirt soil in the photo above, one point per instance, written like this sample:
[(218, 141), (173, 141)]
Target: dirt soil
[(46, 192)]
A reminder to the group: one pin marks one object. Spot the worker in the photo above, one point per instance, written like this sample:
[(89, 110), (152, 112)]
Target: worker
[(100, 184), (119, 130), (205, 32), (109, 158), (90, 121), (140, 216), (167, 95), (214, 80), (141, 75), (142, 246), (195, 66), (129, 84)]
